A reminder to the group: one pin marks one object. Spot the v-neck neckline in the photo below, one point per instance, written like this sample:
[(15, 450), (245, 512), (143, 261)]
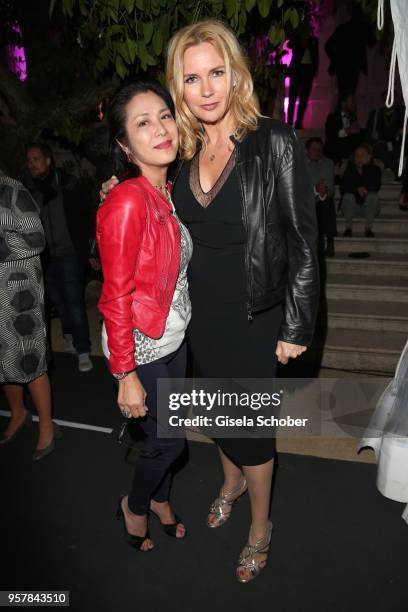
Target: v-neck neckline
[(204, 198)]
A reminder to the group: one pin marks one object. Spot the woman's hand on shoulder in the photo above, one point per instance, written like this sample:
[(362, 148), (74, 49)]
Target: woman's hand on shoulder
[(132, 396), (107, 186), (286, 350)]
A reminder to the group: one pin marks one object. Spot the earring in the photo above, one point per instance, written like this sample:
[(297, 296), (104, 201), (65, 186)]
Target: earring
[(129, 156)]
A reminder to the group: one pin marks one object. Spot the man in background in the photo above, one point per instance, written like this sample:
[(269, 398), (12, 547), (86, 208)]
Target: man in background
[(343, 131), (347, 50), (302, 71), (359, 186), (384, 132), (321, 174), (64, 202)]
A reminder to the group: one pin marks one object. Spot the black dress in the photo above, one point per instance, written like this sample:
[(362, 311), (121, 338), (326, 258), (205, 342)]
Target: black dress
[(224, 343)]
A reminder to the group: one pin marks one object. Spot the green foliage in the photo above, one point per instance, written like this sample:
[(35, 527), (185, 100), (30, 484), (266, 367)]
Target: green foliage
[(131, 36)]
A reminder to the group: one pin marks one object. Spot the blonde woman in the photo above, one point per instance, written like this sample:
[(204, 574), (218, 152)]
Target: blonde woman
[(242, 189)]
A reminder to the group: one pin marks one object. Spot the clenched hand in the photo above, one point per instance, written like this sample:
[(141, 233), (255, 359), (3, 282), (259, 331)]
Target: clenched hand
[(285, 351)]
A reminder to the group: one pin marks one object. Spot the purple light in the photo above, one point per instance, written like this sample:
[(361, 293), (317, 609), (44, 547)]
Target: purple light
[(16, 57), (286, 59)]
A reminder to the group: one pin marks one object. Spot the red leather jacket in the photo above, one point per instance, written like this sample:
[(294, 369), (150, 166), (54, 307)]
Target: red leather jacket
[(139, 245)]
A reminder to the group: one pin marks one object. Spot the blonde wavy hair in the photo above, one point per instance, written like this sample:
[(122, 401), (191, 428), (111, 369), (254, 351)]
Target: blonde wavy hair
[(242, 102)]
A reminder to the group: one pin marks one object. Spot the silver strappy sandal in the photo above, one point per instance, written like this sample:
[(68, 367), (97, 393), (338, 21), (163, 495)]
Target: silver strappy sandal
[(217, 507), (248, 561)]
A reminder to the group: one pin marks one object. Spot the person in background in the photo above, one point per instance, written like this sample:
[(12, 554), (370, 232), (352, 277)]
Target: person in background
[(343, 131), (302, 71), (23, 342), (403, 199), (359, 187), (321, 174), (384, 132), (347, 50), (64, 202)]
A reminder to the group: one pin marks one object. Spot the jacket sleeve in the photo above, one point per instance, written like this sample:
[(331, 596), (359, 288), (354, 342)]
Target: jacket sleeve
[(119, 228), (298, 212), (21, 233)]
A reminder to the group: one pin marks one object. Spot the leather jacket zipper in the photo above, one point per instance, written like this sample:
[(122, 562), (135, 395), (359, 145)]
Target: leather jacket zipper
[(164, 275), (245, 222)]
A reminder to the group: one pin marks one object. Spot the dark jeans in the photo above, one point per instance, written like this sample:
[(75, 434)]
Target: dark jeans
[(153, 469), (64, 283)]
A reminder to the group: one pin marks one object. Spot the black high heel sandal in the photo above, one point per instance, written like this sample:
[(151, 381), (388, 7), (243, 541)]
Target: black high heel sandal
[(170, 529), (134, 541)]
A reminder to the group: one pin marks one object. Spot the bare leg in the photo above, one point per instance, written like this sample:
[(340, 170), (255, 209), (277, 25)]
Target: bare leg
[(232, 479), (136, 524), (232, 473), (15, 399), (259, 479), (40, 392)]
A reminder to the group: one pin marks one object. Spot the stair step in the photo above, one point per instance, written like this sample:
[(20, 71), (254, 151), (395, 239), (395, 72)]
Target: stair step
[(380, 244), (390, 210), (383, 227), (379, 264), (375, 288), (351, 350), (376, 316)]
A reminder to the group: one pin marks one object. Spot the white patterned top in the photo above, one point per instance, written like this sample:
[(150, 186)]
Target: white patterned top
[(149, 349)]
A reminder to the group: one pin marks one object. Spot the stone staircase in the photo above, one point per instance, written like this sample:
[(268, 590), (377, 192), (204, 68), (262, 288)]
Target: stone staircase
[(367, 298)]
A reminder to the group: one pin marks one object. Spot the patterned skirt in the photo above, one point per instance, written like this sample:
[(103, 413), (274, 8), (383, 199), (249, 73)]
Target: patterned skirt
[(23, 341)]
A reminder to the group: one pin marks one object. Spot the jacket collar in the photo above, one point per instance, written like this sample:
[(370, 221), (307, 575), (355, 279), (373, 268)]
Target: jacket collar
[(146, 184)]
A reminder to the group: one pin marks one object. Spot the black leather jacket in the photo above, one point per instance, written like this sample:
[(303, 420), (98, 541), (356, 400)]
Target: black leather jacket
[(278, 212)]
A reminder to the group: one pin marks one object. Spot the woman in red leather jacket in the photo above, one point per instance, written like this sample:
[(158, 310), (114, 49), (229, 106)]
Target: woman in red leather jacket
[(243, 191), (144, 250)]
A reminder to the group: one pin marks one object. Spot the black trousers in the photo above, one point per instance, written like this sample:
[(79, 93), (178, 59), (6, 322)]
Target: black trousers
[(300, 86), (326, 218), (153, 469)]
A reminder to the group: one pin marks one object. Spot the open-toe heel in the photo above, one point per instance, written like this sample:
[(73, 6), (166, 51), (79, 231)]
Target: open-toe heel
[(248, 561), (133, 540), (217, 507), (171, 528)]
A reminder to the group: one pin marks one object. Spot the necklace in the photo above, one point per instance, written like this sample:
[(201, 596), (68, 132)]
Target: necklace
[(212, 156), (164, 190), (166, 193)]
